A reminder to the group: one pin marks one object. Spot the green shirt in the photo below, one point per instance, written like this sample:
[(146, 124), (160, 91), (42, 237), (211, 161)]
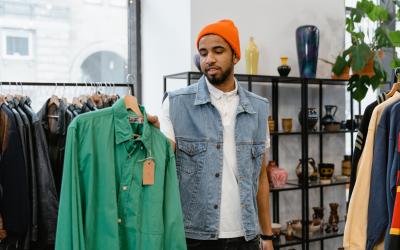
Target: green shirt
[(103, 204)]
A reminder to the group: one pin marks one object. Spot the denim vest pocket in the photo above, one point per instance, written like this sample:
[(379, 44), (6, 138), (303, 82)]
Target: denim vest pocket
[(189, 155)]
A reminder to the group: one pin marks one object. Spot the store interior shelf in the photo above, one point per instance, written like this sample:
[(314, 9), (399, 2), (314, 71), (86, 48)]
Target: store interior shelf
[(323, 236), (316, 236), (314, 132), (287, 187), (282, 242), (317, 183), (263, 78)]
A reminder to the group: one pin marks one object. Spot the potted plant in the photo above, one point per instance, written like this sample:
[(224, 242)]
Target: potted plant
[(365, 54)]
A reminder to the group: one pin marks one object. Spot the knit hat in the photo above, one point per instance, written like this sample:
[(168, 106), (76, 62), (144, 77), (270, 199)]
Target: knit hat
[(227, 30)]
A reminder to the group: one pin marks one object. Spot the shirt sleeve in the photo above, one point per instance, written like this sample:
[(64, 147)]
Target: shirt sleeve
[(174, 233), (70, 223), (165, 122)]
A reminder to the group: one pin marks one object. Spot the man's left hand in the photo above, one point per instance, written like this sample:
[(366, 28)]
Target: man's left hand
[(267, 245)]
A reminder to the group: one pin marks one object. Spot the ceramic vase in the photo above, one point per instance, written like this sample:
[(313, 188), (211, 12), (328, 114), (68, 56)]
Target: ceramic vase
[(307, 43)]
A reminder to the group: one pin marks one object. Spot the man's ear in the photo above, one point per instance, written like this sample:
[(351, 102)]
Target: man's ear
[(235, 59)]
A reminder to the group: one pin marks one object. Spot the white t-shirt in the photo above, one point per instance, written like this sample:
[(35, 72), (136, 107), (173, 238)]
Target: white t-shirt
[(226, 103)]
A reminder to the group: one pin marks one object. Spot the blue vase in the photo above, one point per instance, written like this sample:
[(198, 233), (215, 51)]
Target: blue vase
[(307, 42)]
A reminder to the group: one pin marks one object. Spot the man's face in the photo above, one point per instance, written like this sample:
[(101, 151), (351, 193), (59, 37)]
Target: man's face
[(216, 58)]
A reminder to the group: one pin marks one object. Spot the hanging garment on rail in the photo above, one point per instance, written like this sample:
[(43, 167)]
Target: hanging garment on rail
[(360, 139), (105, 202), (355, 234)]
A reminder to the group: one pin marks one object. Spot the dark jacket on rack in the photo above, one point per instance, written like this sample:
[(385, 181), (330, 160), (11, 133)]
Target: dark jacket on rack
[(377, 206), (14, 202), (392, 167), (54, 121), (32, 176), (360, 139), (47, 193)]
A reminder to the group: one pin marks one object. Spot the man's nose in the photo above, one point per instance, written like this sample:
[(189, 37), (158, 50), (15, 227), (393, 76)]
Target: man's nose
[(210, 58)]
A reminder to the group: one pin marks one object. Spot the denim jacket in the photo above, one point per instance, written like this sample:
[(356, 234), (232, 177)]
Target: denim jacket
[(199, 154)]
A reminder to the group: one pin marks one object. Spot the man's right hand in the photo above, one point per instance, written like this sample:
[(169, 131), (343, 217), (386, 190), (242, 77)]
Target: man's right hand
[(153, 119)]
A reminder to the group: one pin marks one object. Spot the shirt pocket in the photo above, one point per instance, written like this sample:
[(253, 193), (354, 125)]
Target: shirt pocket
[(190, 155)]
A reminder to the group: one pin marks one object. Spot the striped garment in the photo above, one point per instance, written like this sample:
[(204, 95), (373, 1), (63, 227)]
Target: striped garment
[(360, 138), (394, 239)]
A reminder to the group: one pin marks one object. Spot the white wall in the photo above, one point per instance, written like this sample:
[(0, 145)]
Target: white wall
[(273, 25), (165, 46), (169, 29)]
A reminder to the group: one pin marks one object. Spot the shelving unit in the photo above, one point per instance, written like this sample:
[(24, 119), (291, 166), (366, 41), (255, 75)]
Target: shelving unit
[(303, 83)]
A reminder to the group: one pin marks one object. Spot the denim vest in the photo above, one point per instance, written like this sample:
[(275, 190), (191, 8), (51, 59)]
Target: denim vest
[(199, 154)]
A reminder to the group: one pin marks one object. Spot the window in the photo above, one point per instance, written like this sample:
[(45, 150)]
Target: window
[(65, 41), (17, 44)]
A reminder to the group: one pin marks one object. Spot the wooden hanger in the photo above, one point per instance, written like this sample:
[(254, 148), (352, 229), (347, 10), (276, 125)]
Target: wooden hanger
[(395, 86), (132, 104)]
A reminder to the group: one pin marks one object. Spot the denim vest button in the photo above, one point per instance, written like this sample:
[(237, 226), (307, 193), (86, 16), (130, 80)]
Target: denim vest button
[(218, 146), (215, 206), (217, 175)]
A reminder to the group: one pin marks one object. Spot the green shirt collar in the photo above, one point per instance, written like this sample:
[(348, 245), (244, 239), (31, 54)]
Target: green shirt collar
[(123, 130)]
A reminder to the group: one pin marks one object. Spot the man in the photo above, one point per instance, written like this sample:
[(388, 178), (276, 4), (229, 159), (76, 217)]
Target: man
[(220, 134)]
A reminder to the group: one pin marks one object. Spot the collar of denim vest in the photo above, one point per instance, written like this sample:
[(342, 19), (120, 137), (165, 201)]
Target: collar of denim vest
[(122, 126), (203, 97)]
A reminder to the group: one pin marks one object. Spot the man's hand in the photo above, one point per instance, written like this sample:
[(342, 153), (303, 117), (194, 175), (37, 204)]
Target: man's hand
[(153, 119), (267, 245)]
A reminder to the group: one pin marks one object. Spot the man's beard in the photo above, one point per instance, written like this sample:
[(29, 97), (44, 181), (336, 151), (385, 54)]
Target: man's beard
[(217, 81)]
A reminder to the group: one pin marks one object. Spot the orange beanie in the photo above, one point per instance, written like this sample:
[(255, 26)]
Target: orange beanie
[(225, 29)]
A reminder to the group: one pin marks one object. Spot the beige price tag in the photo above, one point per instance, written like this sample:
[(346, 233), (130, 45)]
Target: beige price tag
[(148, 172)]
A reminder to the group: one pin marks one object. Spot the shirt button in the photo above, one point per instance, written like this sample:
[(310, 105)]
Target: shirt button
[(119, 220), (141, 148), (125, 188), (218, 146), (217, 175), (215, 206)]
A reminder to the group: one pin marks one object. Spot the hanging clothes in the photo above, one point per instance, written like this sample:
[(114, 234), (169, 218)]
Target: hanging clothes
[(360, 139), (54, 120), (355, 234), (14, 202), (393, 241), (104, 204), (377, 205)]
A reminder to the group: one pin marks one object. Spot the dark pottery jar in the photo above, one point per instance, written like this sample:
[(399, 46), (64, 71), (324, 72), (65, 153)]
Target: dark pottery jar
[(326, 170), (312, 118)]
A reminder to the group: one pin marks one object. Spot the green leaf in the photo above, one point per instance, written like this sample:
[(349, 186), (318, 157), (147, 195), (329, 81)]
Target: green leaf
[(378, 13), (382, 38), (339, 65), (395, 63), (360, 55), (358, 86), (365, 5), (394, 37)]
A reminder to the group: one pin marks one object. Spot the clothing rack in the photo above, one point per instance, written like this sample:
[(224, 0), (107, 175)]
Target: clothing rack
[(70, 84)]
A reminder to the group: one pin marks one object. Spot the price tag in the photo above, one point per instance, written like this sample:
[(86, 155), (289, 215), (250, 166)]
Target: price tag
[(148, 172)]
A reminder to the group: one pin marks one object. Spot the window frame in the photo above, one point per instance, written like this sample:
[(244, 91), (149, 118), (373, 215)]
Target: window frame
[(17, 33)]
